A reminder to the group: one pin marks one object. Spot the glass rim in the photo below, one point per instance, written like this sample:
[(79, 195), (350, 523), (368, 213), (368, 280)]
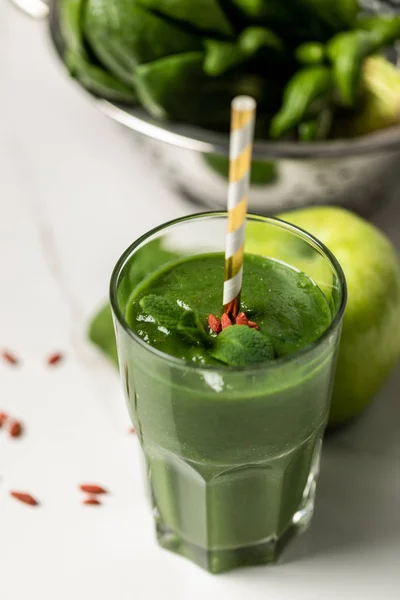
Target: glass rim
[(175, 361)]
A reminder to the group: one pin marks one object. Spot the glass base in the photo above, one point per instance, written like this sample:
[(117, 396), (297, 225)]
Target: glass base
[(262, 552), (220, 561)]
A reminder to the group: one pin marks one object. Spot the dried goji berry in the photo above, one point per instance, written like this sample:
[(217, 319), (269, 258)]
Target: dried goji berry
[(225, 321), (53, 359), (90, 488), (92, 501), (253, 325), (15, 429), (25, 498), (10, 358), (3, 418), (241, 319), (214, 323)]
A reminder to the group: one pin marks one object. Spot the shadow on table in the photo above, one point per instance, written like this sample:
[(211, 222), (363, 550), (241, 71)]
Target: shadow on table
[(358, 493)]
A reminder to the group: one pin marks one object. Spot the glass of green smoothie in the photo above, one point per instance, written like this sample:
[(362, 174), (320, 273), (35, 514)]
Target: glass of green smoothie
[(230, 425)]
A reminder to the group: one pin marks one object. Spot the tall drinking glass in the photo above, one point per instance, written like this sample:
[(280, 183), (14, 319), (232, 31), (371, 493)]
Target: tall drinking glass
[(231, 454)]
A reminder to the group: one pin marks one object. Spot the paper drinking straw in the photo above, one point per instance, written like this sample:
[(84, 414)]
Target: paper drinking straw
[(240, 148)]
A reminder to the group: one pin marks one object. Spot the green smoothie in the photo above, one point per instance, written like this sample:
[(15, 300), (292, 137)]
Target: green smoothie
[(286, 305), (232, 454)]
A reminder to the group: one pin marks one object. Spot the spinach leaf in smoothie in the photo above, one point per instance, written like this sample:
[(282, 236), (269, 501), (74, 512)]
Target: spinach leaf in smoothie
[(191, 327), (173, 317), (239, 345), (165, 313), (236, 346)]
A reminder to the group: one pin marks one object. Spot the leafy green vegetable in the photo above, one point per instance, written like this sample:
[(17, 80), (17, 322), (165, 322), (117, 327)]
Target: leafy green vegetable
[(262, 11), (287, 17), (222, 56), (170, 88), (101, 333), (308, 130), (385, 29), (175, 318), (380, 103), (93, 76), (253, 42), (337, 14), (308, 91), (310, 53), (165, 313), (97, 80), (347, 52), (307, 18), (123, 35), (191, 327), (254, 39), (186, 59), (205, 15), (70, 24), (240, 345), (316, 128)]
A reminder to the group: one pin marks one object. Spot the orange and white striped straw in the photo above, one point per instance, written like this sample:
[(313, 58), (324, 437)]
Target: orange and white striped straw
[(240, 149)]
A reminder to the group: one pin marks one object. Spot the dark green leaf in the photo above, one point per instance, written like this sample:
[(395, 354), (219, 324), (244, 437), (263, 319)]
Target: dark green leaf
[(177, 88), (222, 56), (262, 11), (169, 87), (308, 130), (101, 333), (192, 328), (337, 14), (292, 18), (240, 345), (165, 313), (92, 76), (317, 128), (97, 80), (384, 28), (347, 52), (254, 39), (306, 94), (205, 15), (124, 35), (310, 53), (71, 24), (170, 315), (379, 106)]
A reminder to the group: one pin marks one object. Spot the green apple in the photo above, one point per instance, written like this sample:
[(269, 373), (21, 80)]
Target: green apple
[(370, 342)]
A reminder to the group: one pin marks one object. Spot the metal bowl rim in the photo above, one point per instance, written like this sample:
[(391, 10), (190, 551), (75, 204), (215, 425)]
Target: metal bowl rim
[(206, 141)]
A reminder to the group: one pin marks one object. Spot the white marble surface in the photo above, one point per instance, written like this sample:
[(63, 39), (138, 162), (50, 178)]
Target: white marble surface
[(74, 191)]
